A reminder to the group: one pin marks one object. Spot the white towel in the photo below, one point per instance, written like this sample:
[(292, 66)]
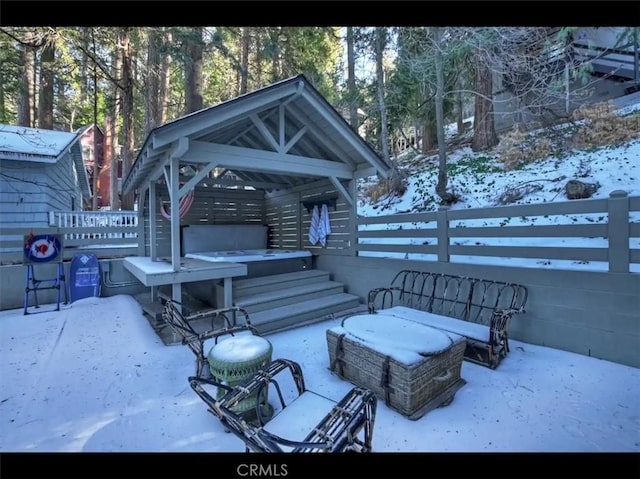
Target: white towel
[(315, 225), (324, 227)]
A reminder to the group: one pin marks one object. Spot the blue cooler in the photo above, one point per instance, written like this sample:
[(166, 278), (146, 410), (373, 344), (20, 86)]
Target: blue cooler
[(84, 277)]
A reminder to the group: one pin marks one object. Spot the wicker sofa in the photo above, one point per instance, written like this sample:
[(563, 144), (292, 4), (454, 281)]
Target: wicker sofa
[(478, 309)]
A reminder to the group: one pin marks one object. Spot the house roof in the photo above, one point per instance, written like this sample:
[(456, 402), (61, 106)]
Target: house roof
[(19, 143), (280, 136)]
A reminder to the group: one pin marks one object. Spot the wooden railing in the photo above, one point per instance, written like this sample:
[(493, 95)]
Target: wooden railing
[(96, 224), (437, 236), (108, 234)]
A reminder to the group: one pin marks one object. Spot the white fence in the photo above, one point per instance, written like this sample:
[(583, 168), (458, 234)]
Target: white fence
[(100, 224), (108, 234)]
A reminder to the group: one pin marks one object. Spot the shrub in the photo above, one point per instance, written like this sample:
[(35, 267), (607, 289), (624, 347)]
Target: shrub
[(601, 125), (387, 188), (517, 149)]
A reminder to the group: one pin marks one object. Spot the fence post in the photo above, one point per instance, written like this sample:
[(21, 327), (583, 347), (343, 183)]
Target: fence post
[(618, 232), (442, 221)]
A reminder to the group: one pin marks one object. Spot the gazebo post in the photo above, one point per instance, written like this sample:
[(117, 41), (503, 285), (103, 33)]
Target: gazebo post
[(153, 248), (174, 185)]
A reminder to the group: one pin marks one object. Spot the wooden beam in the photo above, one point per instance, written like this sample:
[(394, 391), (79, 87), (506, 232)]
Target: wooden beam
[(365, 172), (153, 205), (281, 128), (266, 161), (175, 219), (295, 139), (220, 114), (180, 148), (256, 184), (343, 191), (264, 131), (328, 145), (353, 138), (167, 178), (195, 179)]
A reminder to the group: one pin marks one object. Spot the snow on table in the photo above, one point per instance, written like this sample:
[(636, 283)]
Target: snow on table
[(406, 341)]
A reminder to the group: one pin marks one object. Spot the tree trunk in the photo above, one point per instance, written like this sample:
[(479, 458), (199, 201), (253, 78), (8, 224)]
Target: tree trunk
[(109, 163), (193, 72), (428, 137), (152, 98), (27, 88), (165, 80), (459, 106), (484, 133), (97, 152), (395, 183), (45, 101), (244, 59), (384, 128), (258, 59), (113, 131), (275, 59), (128, 112), (3, 108), (441, 186), (96, 166), (351, 80), (84, 63)]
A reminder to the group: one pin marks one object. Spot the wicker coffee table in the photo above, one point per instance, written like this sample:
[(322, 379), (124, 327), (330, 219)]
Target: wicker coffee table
[(413, 368)]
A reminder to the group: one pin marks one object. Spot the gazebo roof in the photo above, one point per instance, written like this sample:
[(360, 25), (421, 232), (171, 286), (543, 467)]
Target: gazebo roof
[(278, 137)]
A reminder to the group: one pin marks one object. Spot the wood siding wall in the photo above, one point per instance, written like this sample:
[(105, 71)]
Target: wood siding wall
[(289, 220), (29, 190), (591, 313), (211, 206)]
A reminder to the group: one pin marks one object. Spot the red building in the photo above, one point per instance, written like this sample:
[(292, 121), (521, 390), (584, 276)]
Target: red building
[(94, 152)]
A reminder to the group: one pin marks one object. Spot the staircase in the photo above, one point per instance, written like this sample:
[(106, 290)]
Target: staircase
[(284, 301)]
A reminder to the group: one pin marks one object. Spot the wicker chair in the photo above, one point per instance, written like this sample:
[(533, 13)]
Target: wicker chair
[(229, 320), (300, 420)]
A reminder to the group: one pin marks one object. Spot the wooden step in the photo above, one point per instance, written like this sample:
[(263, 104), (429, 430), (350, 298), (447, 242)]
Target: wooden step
[(288, 296), (263, 284), (153, 309), (301, 313), (190, 304)]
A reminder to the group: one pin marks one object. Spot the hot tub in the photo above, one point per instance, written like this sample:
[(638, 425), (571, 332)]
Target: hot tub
[(249, 255), (260, 262), (247, 244)]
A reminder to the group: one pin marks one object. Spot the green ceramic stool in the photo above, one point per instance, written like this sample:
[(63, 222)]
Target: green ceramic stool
[(236, 358)]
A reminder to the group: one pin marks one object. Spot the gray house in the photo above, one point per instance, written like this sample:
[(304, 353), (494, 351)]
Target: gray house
[(40, 171)]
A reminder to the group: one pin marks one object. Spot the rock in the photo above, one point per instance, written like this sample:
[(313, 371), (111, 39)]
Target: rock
[(576, 190)]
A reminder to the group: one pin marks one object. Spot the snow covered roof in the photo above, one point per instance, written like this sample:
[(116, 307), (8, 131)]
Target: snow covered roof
[(33, 144), (19, 143)]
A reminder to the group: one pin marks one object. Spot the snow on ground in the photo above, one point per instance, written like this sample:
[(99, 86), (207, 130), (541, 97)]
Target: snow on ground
[(480, 179), (94, 376)]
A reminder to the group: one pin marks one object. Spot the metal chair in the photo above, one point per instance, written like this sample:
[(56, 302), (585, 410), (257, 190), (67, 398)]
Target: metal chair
[(299, 420), (230, 321)]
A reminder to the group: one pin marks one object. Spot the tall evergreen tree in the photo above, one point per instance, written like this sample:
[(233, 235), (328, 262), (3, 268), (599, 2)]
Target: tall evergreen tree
[(45, 97)]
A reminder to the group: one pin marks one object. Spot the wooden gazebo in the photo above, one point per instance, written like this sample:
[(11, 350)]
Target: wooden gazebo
[(284, 143)]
